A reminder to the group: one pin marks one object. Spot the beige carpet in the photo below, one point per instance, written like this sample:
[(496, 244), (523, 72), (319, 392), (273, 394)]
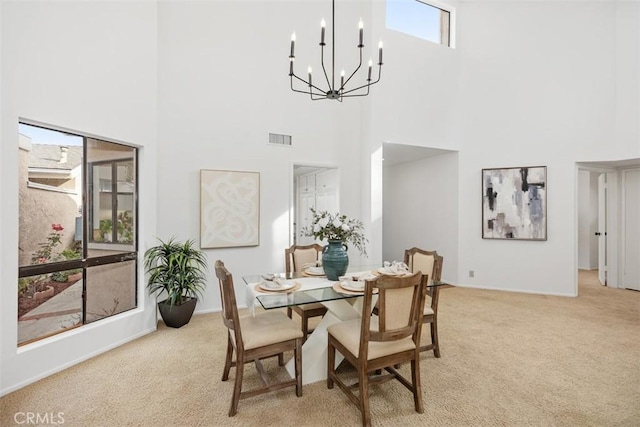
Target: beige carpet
[(507, 360)]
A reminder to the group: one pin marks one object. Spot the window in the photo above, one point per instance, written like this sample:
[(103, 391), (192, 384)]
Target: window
[(428, 20), (77, 237)]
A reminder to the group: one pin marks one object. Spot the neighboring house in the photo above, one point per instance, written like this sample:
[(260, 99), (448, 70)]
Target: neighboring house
[(50, 193)]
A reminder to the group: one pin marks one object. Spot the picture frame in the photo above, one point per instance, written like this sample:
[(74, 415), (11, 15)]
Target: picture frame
[(514, 203), (229, 208)]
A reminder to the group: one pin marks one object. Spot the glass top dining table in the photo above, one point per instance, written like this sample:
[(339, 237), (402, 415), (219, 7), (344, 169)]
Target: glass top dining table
[(311, 289)]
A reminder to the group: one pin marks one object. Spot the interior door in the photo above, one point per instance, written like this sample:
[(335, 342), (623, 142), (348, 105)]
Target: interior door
[(602, 228), (631, 235)]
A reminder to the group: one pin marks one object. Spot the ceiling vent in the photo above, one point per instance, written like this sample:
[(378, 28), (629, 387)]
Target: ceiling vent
[(278, 139)]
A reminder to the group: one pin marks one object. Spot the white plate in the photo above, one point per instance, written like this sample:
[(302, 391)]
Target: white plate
[(273, 286), (315, 271), (352, 285)]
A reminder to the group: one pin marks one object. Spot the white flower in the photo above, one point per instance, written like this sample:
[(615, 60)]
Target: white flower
[(316, 228), (337, 223), (345, 227), (323, 222)]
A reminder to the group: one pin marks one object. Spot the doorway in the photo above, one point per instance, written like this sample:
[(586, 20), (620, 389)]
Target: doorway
[(314, 187), (607, 211)]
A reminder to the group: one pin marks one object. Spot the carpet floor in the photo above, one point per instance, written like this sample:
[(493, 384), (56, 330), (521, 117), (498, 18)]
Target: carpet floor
[(508, 359)]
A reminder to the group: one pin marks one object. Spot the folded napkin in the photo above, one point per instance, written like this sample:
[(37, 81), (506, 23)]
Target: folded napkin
[(395, 267), (361, 276)]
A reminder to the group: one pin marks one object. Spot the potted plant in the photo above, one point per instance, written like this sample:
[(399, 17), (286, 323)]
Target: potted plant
[(179, 269)]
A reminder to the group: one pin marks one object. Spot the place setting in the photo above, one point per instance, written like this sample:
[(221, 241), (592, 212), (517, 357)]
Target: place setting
[(313, 269), (353, 284), (394, 268), (275, 284)]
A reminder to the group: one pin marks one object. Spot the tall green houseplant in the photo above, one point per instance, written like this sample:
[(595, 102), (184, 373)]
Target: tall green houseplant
[(179, 270)]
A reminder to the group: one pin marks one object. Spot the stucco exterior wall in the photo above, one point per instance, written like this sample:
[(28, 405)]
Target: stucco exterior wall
[(38, 209)]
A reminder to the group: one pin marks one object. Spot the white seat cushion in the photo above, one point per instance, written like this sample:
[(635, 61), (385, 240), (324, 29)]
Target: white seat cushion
[(348, 333), (268, 328)]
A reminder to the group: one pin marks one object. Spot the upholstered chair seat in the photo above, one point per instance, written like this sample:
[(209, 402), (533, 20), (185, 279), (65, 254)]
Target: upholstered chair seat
[(348, 333), (375, 342), (266, 329)]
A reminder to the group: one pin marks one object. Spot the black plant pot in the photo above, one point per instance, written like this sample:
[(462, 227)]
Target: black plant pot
[(176, 316)]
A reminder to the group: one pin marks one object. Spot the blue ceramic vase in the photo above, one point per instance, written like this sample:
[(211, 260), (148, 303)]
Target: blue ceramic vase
[(335, 259)]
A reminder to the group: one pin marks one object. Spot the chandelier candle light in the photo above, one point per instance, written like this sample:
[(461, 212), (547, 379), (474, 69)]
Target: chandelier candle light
[(335, 92)]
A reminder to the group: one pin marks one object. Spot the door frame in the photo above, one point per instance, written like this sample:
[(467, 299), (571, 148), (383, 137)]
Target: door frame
[(613, 232), (623, 222)]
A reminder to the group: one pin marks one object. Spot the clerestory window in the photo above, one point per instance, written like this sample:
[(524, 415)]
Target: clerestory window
[(430, 20)]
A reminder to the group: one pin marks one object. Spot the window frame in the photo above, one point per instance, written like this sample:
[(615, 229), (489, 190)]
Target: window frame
[(87, 261), (443, 6)]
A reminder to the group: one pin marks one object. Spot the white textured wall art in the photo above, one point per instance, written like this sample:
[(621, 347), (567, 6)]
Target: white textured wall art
[(229, 209)]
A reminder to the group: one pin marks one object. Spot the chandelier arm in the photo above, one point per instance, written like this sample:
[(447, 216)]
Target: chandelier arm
[(306, 92), (347, 94), (366, 85), (320, 97), (360, 94), (354, 72), (379, 74), (321, 92), (323, 69)]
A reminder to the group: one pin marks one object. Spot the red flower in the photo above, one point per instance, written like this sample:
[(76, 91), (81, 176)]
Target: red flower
[(57, 227)]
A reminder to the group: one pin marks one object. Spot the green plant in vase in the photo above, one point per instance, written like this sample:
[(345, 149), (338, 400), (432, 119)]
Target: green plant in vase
[(339, 231)]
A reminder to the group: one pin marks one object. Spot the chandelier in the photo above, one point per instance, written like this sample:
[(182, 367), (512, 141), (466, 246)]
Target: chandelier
[(332, 91)]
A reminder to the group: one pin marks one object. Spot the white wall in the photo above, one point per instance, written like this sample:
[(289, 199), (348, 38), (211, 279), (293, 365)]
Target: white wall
[(88, 67), (421, 209), (223, 86), (627, 78), (538, 84), (415, 104), (530, 83)]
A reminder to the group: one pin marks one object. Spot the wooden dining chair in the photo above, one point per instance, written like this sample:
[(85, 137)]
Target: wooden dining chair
[(430, 262), (372, 343), (295, 259), (253, 338)]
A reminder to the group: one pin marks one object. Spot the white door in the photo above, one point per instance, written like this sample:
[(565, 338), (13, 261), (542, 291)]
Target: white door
[(602, 228), (631, 235)]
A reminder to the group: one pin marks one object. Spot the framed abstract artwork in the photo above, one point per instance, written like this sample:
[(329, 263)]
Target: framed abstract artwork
[(514, 203), (229, 209)]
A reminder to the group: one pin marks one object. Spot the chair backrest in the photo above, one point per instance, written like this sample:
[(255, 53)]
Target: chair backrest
[(400, 302), (297, 256), (430, 263), (229, 306)]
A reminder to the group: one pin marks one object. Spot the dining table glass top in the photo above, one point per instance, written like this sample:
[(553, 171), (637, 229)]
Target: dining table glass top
[(306, 289)]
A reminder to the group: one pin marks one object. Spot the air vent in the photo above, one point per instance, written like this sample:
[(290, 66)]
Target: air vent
[(278, 139)]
